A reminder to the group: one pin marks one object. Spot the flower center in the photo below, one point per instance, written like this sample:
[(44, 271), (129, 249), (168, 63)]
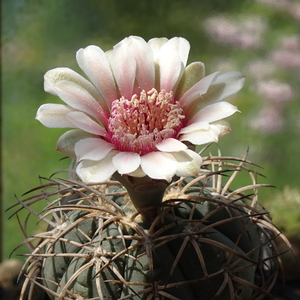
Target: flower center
[(139, 124)]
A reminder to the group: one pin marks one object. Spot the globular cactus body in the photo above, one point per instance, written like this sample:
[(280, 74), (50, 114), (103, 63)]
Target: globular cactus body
[(201, 243)]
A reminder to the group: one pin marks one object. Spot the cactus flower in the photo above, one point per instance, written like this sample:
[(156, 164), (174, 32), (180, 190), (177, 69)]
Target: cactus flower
[(141, 109)]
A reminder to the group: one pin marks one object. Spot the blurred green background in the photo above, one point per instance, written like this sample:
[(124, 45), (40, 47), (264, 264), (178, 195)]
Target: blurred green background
[(258, 38)]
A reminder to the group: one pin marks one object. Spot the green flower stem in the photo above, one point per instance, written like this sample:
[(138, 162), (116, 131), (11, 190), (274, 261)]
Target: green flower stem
[(144, 192)]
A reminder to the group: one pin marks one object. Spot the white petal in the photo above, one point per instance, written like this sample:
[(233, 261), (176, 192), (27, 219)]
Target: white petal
[(126, 162), (97, 171), (172, 61), (159, 165), (66, 142), (192, 74), (123, 65), (183, 47), (58, 74), (226, 85), (92, 149), (137, 173), (94, 63), (214, 112), (222, 126), (77, 97), (198, 89), (194, 127), (156, 44), (82, 121), (200, 137), (189, 163), (145, 71), (54, 115), (171, 145)]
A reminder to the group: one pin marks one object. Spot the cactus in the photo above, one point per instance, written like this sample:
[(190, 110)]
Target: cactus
[(205, 241)]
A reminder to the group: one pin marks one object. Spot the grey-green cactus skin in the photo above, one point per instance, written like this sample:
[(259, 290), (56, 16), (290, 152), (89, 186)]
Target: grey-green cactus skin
[(195, 247), (200, 243)]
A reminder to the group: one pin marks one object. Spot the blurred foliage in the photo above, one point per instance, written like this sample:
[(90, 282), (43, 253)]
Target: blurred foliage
[(40, 35), (286, 204)]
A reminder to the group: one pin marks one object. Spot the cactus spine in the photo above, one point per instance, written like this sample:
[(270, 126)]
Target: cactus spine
[(206, 240)]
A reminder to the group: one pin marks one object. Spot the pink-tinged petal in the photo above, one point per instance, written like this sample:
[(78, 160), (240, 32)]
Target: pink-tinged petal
[(214, 112), (145, 71), (198, 89), (66, 142), (172, 61), (97, 171), (189, 163), (92, 149), (159, 165), (194, 127), (171, 145), (123, 65), (77, 97), (126, 162), (199, 137), (82, 121), (52, 77), (156, 44), (94, 63), (54, 115)]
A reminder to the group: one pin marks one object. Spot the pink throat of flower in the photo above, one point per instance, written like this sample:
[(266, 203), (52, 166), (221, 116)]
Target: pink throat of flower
[(139, 124)]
